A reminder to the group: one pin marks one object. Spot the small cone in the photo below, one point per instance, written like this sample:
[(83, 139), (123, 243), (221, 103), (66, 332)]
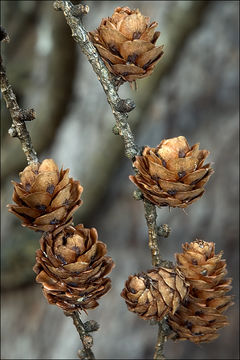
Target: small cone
[(45, 197), (71, 266), (172, 174), (200, 316), (126, 42), (154, 294)]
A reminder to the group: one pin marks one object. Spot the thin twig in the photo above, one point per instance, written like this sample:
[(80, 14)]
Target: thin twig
[(120, 108), (163, 333), (151, 218), (18, 115), (158, 355), (86, 339), (153, 236)]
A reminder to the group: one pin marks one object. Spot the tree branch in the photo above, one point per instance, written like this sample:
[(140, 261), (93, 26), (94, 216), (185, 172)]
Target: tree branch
[(154, 233), (18, 115), (120, 108), (151, 218), (83, 331)]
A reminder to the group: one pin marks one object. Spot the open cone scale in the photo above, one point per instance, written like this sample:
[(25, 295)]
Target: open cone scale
[(126, 42), (72, 266), (45, 198), (172, 174), (154, 294), (200, 316)]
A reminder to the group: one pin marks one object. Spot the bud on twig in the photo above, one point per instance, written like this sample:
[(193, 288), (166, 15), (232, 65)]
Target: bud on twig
[(115, 130), (82, 354), (163, 230), (57, 6), (4, 35), (87, 342), (79, 10), (12, 131), (91, 326), (125, 105), (137, 195), (27, 114)]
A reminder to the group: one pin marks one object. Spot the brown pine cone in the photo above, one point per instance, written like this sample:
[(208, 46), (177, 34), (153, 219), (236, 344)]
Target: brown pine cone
[(172, 174), (154, 294), (45, 197), (201, 314), (126, 42), (71, 266)]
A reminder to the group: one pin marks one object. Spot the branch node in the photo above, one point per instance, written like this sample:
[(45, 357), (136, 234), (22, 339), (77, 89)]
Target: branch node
[(12, 131), (79, 10), (86, 339), (68, 314), (91, 326), (125, 105), (163, 230), (117, 81), (137, 195), (167, 264), (82, 355), (87, 342), (57, 5), (27, 114), (166, 328), (19, 116), (131, 152), (115, 130), (4, 35)]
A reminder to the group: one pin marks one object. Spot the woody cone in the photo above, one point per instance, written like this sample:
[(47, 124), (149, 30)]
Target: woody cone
[(72, 266), (154, 294), (200, 316), (172, 174), (126, 41), (45, 198)]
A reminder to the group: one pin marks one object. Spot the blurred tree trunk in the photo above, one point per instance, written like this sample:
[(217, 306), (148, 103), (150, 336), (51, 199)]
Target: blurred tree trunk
[(193, 92), (42, 72)]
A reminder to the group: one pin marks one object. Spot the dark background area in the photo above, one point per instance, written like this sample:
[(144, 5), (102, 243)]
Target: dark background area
[(193, 92)]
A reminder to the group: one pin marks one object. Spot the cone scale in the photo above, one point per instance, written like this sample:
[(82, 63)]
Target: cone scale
[(126, 42), (45, 198), (154, 294), (172, 174), (200, 316), (72, 266)]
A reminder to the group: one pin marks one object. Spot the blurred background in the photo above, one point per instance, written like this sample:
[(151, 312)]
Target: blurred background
[(193, 92)]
